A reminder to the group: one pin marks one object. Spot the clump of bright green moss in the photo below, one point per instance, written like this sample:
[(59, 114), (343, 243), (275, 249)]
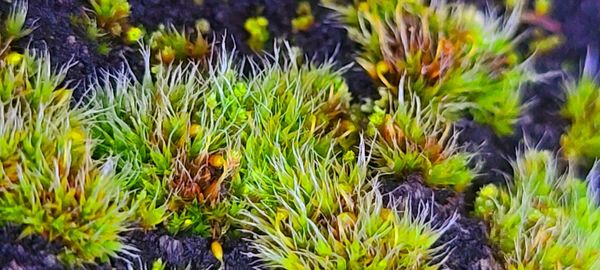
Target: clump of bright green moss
[(544, 219), (332, 217), (414, 138), (49, 183), (581, 141), (449, 55)]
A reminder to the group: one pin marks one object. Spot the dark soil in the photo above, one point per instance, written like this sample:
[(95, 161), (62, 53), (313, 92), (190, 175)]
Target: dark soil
[(541, 123), (466, 237), (183, 251), (32, 253)]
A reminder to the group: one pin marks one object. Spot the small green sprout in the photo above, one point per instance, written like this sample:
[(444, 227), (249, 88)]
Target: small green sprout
[(158, 265), (169, 45), (49, 184), (581, 142), (543, 220), (110, 18), (451, 55), (13, 27), (133, 34), (305, 18), (111, 14), (257, 28)]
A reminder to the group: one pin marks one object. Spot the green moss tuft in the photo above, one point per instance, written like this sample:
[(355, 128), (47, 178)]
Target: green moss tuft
[(446, 54), (544, 220), (49, 184)]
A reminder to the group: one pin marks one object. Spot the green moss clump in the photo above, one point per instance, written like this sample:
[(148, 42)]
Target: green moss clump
[(169, 45), (331, 217), (49, 184), (112, 15), (544, 220), (190, 131), (581, 142), (449, 55), (415, 139)]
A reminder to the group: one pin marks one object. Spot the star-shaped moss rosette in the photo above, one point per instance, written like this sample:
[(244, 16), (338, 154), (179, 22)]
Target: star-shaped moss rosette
[(449, 55), (169, 45), (415, 138), (544, 219), (49, 184)]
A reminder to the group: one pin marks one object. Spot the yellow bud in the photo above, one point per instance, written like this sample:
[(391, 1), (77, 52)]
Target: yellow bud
[(187, 222), (134, 34), (203, 26), (76, 136), (217, 250), (216, 160), (262, 21), (542, 7), (167, 55), (14, 58), (489, 191), (382, 67), (194, 130)]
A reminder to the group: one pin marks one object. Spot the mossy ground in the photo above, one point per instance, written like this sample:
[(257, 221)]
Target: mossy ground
[(541, 121)]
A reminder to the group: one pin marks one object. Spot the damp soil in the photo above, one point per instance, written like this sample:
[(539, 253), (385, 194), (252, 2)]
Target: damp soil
[(541, 123)]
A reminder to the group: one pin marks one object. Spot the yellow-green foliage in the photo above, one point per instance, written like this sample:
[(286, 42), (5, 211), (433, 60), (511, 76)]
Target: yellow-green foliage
[(451, 55), (581, 142), (311, 206), (179, 138), (544, 220), (413, 138), (49, 185), (331, 217), (184, 132), (109, 17)]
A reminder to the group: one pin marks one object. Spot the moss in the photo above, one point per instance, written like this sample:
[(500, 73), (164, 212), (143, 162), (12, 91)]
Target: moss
[(13, 28), (49, 184), (414, 138), (257, 28), (545, 219), (581, 142), (450, 55)]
